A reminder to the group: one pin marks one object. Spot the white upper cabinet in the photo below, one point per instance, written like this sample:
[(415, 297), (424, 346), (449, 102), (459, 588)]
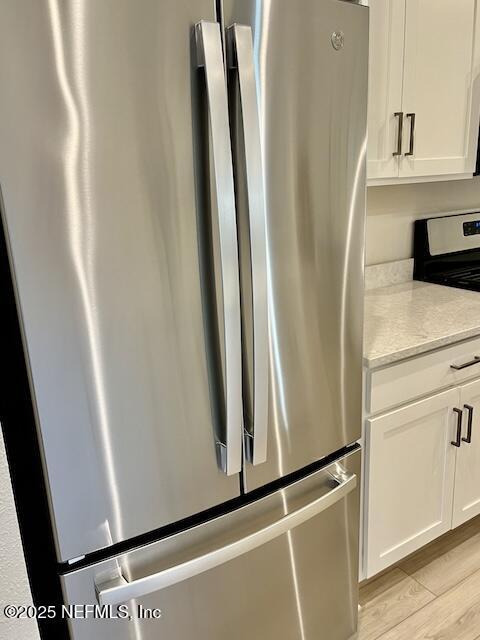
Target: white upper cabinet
[(437, 88), (387, 25), (424, 65)]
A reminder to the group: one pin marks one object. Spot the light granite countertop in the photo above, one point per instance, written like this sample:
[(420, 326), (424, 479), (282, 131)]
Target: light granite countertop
[(408, 319)]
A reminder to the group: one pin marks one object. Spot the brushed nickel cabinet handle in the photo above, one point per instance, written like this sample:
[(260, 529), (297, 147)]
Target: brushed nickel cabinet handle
[(411, 150), (399, 115)]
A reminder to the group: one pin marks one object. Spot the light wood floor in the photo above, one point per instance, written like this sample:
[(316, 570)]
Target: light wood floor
[(433, 594)]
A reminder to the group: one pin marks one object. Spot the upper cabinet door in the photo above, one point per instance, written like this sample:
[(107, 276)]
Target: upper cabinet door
[(467, 477), (387, 25), (440, 88)]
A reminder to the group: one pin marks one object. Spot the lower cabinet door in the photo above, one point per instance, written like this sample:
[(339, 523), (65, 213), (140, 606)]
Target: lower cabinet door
[(410, 470), (466, 502)]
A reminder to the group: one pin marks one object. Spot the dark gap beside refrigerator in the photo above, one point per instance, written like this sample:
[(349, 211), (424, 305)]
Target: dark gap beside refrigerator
[(23, 453)]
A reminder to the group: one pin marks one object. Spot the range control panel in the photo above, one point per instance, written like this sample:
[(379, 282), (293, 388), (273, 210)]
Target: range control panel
[(451, 234), (471, 228)]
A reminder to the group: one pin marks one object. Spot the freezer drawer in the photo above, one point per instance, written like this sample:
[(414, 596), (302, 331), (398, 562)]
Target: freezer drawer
[(281, 568)]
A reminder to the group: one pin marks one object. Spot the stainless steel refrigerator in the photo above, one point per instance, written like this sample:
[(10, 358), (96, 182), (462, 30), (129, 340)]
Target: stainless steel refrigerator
[(183, 191)]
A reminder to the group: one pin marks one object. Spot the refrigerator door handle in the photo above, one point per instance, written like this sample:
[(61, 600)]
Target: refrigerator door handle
[(210, 57), (240, 57), (120, 590)]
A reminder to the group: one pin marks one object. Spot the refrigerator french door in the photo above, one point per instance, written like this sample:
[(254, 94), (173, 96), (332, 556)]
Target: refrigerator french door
[(308, 62), (183, 200)]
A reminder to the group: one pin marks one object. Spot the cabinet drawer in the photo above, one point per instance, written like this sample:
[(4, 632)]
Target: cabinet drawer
[(423, 375)]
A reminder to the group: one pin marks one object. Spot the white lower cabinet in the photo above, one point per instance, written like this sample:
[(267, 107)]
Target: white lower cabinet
[(422, 459), (466, 503), (410, 474)]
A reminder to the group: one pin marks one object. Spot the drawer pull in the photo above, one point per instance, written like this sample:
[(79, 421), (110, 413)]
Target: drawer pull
[(469, 408), (458, 441), (459, 367)]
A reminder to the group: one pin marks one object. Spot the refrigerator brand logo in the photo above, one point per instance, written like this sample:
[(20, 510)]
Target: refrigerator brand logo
[(338, 40)]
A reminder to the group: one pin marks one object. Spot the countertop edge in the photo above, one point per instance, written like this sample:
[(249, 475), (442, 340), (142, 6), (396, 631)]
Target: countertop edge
[(390, 358)]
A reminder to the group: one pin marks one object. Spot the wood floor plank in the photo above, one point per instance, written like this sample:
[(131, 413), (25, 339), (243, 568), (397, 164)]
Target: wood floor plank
[(447, 570), (453, 616), (441, 545), (387, 601), (448, 561), (375, 587)]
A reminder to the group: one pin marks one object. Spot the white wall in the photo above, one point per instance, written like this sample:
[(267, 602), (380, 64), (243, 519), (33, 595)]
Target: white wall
[(14, 588), (392, 210)]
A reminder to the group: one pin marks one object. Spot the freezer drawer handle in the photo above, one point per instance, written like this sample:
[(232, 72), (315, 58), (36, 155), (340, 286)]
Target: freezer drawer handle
[(210, 57), (240, 57), (120, 590)]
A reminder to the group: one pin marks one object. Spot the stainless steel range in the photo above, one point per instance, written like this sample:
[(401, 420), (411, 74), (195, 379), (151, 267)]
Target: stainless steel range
[(447, 251)]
